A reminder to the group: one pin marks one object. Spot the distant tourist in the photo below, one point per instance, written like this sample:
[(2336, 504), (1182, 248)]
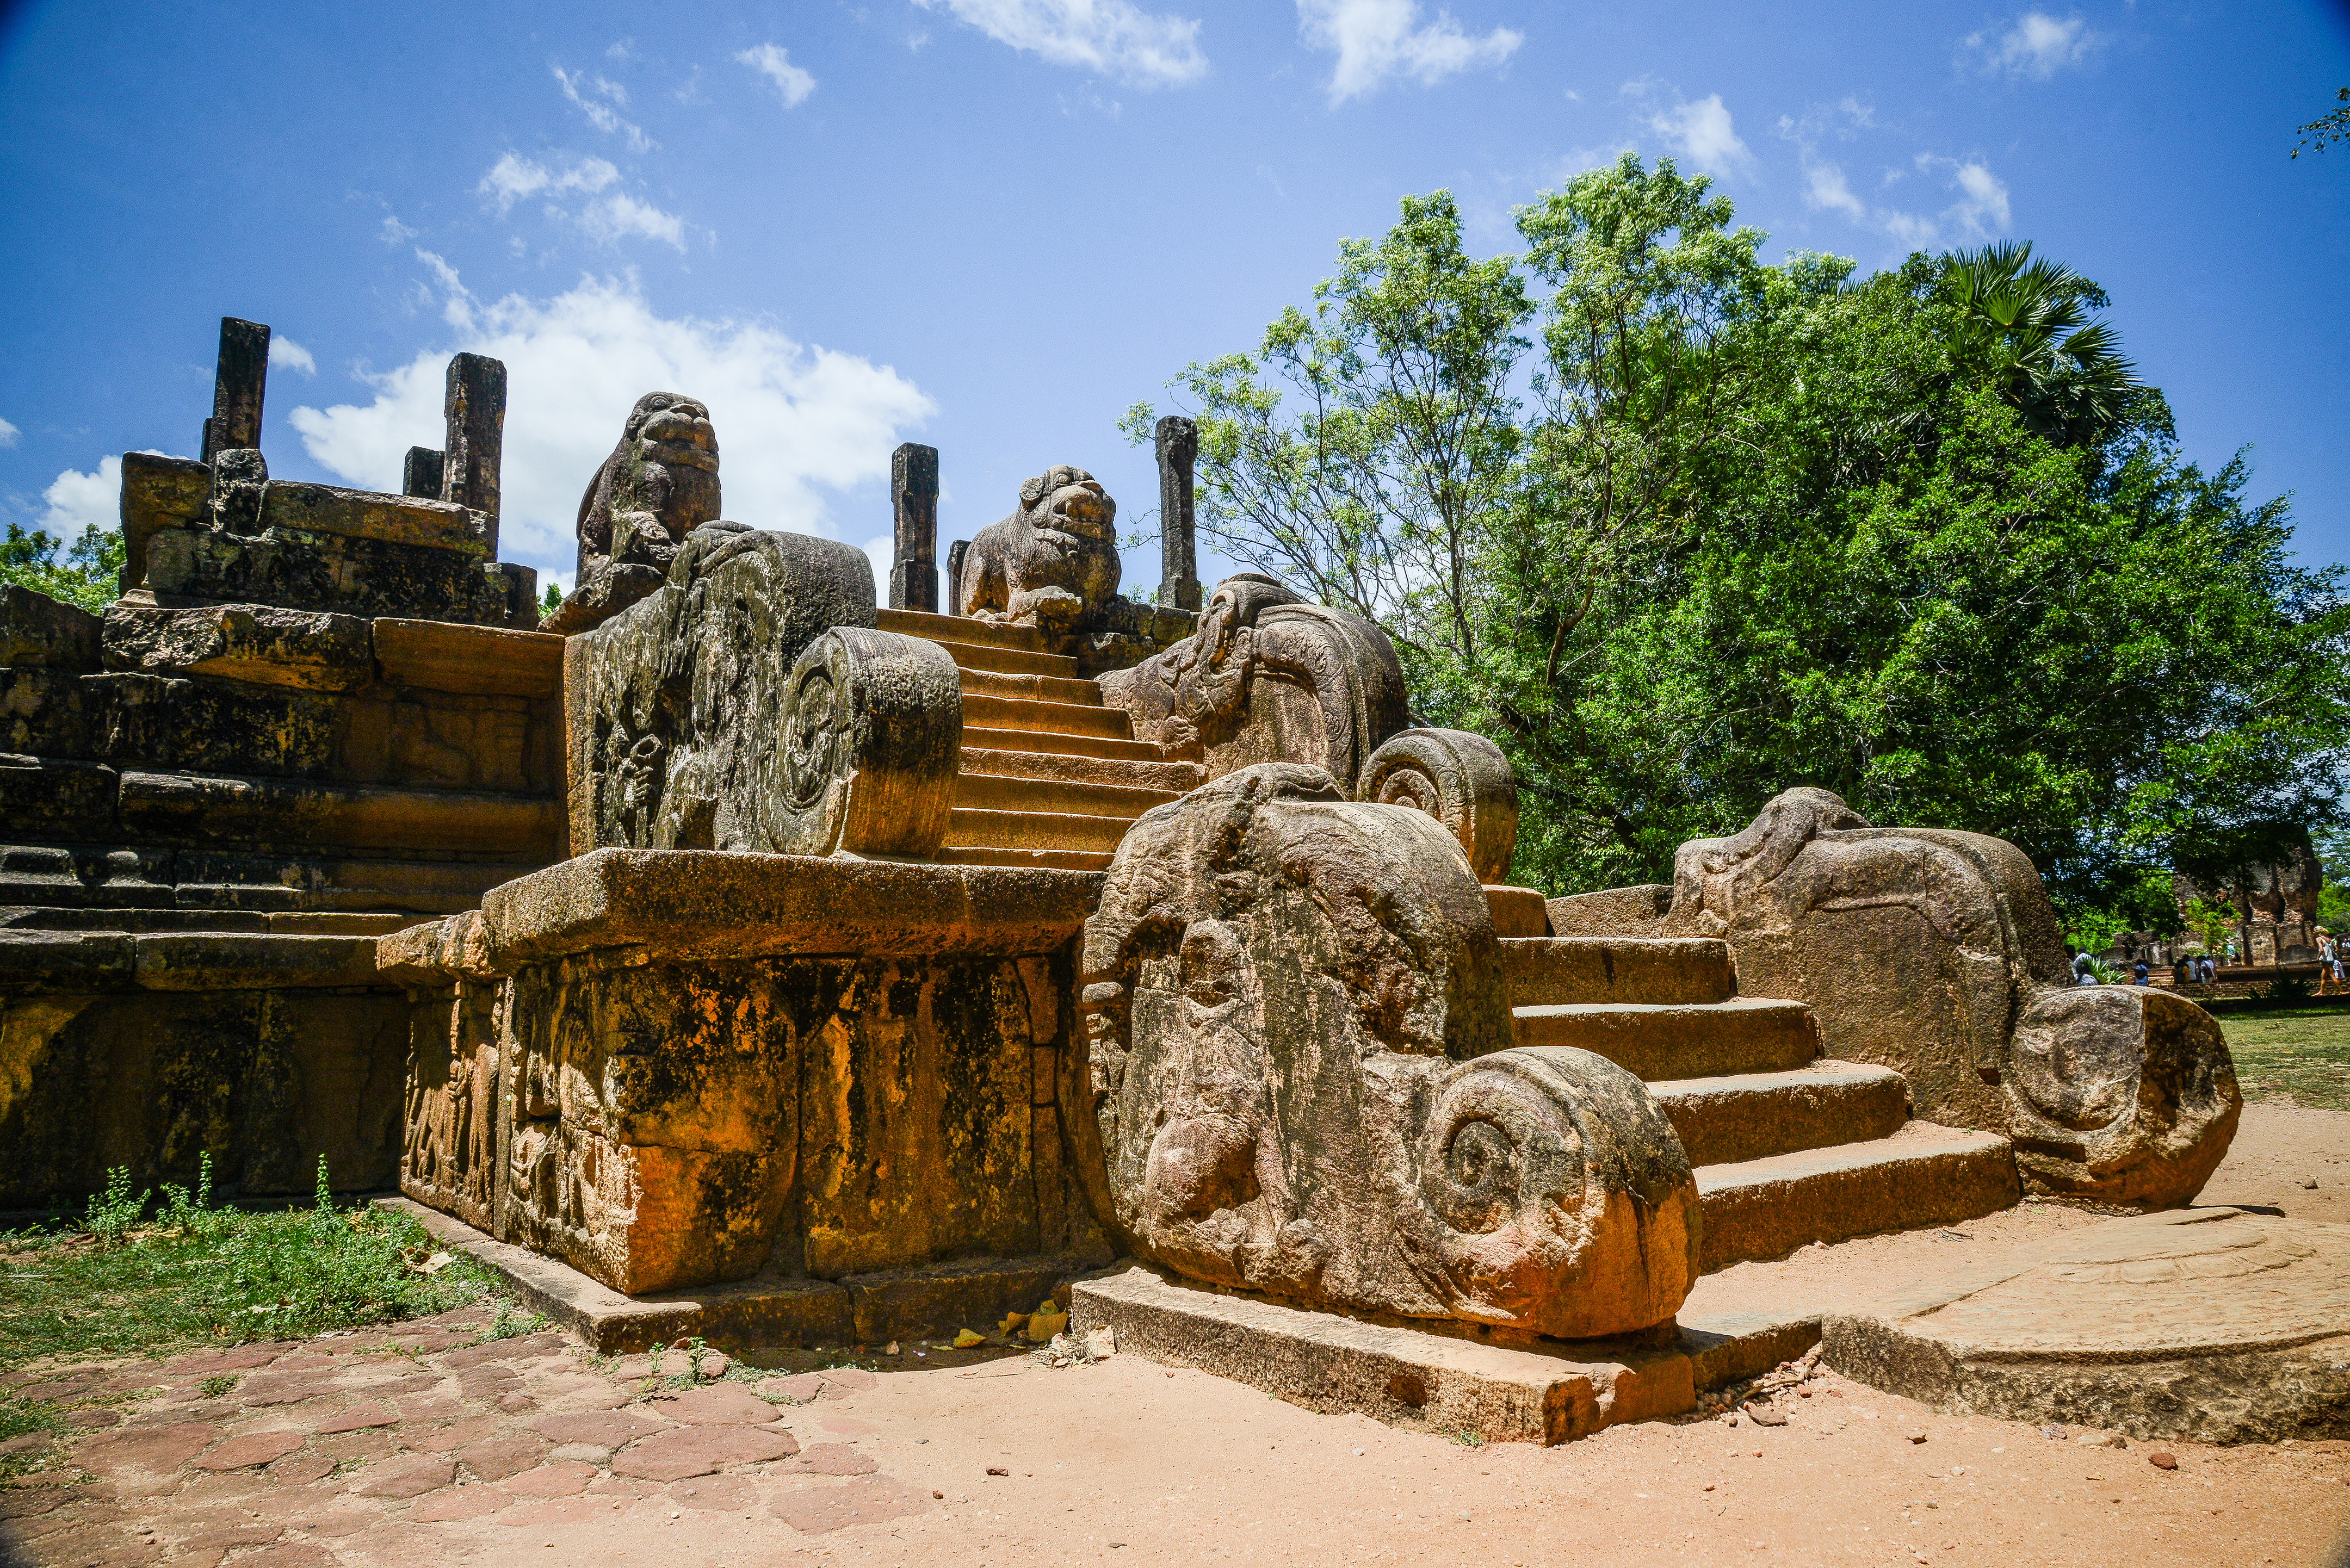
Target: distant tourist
[(2138, 973), (2182, 974), (2210, 970), (2328, 967)]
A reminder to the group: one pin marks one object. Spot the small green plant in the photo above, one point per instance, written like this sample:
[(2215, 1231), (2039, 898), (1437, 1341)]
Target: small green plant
[(111, 1213), (2103, 973), (1467, 1437), (2285, 990), (213, 1387)]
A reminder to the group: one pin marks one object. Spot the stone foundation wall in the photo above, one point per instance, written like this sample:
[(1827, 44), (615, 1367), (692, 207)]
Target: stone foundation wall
[(146, 1049), (658, 1113), (241, 756)]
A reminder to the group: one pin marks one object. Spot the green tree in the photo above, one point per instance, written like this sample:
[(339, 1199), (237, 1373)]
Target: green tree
[(1363, 449), (1907, 536), (2026, 322), (87, 576), (2326, 129)]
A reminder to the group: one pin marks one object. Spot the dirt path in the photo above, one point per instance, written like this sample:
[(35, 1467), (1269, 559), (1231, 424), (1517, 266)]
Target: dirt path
[(423, 1448)]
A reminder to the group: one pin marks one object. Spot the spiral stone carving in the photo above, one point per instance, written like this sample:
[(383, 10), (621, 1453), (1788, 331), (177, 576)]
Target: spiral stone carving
[(1302, 1083), (865, 758), (1460, 779)]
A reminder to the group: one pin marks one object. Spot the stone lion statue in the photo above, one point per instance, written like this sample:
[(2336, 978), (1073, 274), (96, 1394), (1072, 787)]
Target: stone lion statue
[(660, 484), (1052, 564)]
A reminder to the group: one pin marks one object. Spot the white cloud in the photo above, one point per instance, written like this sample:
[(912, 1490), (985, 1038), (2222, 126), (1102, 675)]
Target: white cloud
[(774, 64), (620, 215), (1982, 209), (1826, 188), (2038, 45), (77, 501), (596, 95), (1115, 37), (8, 434), (513, 177), (1701, 133), (284, 354), (1377, 39), (794, 422), (1979, 211)]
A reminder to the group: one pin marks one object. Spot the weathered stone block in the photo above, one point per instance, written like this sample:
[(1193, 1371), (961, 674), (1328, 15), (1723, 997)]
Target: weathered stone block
[(158, 493), (1302, 1082), (266, 1080), (51, 798), (1937, 954), (35, 629), (354, 574), (43, 712), (374, 514), (301, 816), (259, 644), (469, 658)]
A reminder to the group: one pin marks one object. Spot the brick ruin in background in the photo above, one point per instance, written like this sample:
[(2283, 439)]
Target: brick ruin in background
[(879, 970), (312, 717)]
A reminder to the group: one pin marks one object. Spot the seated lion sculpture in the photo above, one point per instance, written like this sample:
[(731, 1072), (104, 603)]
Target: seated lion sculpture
[(1053, 564), (660, 484)]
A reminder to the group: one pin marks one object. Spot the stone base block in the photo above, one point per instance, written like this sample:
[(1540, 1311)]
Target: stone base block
[(1535, 1392), (864, 1309), (2209, 1324)]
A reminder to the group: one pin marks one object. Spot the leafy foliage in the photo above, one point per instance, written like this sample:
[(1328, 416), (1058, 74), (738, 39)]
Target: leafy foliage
[(1681, 528), (87, 576), (2326, 129), (202, 1271)]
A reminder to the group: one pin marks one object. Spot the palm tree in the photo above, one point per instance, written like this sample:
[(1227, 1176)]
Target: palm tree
[(2027, 323)]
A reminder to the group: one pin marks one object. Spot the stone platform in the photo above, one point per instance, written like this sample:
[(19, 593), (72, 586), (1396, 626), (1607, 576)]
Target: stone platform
[(1522, 1390), (2211, 1324), (767, 1310)]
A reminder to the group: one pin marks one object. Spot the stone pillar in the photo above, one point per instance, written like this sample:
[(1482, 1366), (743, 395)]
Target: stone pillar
[(914, 500), (422, 474), (955, 553), (475, 406), (237, 383), (1179, 571)]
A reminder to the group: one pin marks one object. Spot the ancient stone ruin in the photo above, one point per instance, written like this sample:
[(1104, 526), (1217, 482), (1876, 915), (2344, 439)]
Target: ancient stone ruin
[(880, 970)]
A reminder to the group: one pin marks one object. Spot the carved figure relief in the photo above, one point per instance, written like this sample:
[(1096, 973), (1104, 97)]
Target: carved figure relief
[(748, 704), (1938, 953), (1301, 1078), (1053, 564)]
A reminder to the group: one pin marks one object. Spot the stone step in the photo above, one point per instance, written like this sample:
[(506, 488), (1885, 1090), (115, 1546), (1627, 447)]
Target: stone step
[(1752, 1115), (1032, 716), (981, 736), (1656, 1042), (997, 792), (1548, 970), (1034, 859), (1034, 830), (1050, 688), (1922, 1175), (958, 629), (1517, 911), (969, 656), (1175, 778)]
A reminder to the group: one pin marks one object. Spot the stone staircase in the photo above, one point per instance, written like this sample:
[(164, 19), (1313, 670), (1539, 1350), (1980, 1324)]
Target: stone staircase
[(1789, 1147), (1050, 777)]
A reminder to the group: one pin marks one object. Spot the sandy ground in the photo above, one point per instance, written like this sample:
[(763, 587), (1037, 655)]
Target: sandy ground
[(448, 1453)]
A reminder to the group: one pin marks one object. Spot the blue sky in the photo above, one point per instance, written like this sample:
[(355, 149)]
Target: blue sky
[(994, 224)]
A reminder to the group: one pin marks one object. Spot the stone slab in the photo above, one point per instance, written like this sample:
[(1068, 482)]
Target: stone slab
[(763, 1311), (35, 629), (369, 816), (697, 903), (1541, 1392), (1922, 1175), (372, 514), (2206, 1325), (443, 656)]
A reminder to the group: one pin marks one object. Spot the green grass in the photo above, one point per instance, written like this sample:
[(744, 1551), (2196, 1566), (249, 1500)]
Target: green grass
[(126, 1281), (2298, 1055)]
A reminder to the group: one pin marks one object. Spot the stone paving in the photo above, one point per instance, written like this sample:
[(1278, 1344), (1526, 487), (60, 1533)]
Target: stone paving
[(296, 1447)]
